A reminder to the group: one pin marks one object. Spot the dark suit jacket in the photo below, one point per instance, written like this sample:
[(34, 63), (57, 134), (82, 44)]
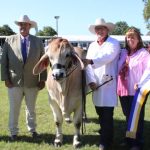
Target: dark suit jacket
[(12, 66)]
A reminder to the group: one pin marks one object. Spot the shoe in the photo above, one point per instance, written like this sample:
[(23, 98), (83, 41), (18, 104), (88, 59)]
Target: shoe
[(101, 147), (34, 135), (13, 137), (123, 144), (135, 148), (99, 131)]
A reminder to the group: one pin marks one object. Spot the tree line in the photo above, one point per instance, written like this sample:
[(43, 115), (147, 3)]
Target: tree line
[(120, 29)]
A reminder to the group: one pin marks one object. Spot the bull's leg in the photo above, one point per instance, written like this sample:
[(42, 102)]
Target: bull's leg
[(58, 118), (65, 113), (76, 138), (67, 117), (59, 137), (77, 124)]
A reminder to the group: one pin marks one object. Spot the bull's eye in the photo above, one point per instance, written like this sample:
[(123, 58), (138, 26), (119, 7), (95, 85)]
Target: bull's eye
[(67, 55)]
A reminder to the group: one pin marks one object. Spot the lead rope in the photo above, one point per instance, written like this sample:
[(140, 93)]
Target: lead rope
[(111, 78), (83, 102)]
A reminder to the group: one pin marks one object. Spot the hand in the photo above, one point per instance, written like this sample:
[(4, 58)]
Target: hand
[(8, 84), (148, 48), (87, 61), (135, 86), (93, 86), (41, 85)]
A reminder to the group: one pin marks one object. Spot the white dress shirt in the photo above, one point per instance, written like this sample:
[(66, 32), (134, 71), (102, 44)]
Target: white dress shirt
[(105, 58)]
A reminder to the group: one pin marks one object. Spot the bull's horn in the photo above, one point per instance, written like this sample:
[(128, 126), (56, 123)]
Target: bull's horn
[(81, 63)]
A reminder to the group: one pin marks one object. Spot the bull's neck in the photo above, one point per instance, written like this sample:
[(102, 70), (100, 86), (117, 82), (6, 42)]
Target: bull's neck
[(63, 86)]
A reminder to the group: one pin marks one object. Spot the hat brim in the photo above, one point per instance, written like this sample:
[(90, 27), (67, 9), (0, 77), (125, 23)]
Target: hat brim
[(33, 23), (110, 27)]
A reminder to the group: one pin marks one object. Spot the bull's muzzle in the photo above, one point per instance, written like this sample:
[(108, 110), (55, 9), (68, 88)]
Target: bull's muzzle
[(58, 71), (58, 76)]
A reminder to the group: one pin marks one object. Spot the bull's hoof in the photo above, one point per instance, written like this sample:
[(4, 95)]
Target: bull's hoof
[(57, 144), (77, 146), (58, 140), (68, 120), (76, 142)]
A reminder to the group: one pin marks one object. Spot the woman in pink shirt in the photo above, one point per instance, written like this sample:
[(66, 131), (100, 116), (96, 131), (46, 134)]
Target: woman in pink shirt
[(132, 63)]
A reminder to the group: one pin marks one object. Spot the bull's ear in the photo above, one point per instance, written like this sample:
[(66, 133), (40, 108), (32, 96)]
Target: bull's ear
[(41, 65)]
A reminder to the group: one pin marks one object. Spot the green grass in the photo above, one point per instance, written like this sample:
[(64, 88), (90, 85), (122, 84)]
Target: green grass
[(46, 127)]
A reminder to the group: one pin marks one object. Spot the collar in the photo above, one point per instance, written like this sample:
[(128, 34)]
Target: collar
[(100, 41), (22, 37)]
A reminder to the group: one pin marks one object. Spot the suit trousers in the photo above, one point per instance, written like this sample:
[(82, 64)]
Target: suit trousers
[(16, 95)]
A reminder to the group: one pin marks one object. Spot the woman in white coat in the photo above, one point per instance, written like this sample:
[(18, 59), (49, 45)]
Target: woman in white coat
[(101, 61)]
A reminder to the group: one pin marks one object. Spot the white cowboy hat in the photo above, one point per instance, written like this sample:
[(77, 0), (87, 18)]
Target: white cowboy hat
[(101, 22), (25, 18)]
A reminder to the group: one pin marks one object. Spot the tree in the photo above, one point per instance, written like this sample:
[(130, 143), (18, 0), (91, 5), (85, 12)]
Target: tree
[(146, 13), (120, 29), (5, 30), (47, 31), (144, 0)]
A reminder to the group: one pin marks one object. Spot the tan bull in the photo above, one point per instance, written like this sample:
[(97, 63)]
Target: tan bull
[(64, 85)]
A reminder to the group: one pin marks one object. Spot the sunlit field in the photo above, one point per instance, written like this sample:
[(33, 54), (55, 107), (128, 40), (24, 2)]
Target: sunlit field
[(46, 127)]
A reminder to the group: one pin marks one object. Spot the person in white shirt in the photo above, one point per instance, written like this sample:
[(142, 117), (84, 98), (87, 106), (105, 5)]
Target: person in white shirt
[(101, 60)]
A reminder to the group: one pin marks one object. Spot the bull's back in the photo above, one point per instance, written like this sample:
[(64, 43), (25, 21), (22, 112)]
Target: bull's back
[(80, 52)]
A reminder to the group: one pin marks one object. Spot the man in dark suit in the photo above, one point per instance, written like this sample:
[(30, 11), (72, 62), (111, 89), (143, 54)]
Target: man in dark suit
[(20, 54)]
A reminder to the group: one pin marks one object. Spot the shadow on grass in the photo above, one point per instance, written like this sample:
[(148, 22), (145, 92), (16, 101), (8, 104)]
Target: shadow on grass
[(119, 135), (88, 139), (49, 139)]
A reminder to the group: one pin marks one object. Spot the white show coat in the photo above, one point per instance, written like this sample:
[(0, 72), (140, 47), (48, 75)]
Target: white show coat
[(105, 58)]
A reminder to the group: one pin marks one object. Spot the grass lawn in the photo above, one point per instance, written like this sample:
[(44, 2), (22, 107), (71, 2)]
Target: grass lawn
[(46, 127)]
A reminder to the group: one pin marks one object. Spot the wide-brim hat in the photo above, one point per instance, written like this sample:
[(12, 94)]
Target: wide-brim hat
[(25, 18), (101, 22)]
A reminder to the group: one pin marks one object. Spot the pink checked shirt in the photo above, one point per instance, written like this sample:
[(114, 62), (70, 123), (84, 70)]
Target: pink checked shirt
[(137, 64)]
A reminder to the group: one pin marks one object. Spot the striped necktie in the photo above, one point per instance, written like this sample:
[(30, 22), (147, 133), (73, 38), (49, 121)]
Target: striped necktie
[(24, 50)]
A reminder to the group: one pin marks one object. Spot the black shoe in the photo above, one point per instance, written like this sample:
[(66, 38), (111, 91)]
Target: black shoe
[(123, 142), (14, 138), (34, 135), (99, 131)]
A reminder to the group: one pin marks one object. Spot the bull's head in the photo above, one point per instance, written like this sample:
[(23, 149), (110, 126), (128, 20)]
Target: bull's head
[(61, 56)]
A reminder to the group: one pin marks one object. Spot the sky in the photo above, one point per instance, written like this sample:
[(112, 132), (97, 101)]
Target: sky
[(75, 16)]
